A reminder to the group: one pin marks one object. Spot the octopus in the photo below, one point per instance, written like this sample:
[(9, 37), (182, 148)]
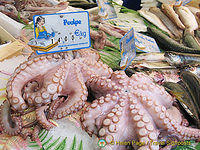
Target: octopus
[(46, 87), (133, 111)]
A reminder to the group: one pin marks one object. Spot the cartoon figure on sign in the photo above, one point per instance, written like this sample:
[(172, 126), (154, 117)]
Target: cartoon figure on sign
[(40, 30)]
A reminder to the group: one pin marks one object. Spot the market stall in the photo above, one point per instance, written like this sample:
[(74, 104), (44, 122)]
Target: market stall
[(89, 75)]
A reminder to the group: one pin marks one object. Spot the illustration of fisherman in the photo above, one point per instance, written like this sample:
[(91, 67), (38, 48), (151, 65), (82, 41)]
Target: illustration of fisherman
[(40, 30)]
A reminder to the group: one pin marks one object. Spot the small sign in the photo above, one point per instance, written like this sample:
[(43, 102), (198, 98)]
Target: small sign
[(179, 3), (145, 43), (127, 47), (106, 9), (61, 32)]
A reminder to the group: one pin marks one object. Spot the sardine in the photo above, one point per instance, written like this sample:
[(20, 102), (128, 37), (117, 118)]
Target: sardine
[(155, 20), (182, 59), (187, 18), (169, 11), (167, 22)]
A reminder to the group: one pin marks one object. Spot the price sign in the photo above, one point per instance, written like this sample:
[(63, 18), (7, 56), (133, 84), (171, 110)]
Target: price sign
[(61, 32), (106, 9), (127, 47), (145, 43)]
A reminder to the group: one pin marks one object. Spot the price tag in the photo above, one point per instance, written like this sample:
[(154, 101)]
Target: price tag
[(145, 43), (106, 9), (127, 47), (61, 32), (179, 3)]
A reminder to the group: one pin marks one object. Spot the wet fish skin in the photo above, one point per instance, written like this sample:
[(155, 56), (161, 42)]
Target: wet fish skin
[(187, 18), (182, 59), (155, 20), (167, 22), (169, 11)]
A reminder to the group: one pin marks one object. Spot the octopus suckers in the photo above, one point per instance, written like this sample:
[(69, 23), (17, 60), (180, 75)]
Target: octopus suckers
[(52, 88), (115, 119), (114, 110), (15, 100), (102, 132), (142, 132), (153, 136), (38, 100), (23, 106), (106, 122), (112, 128), (136, 118), (149, 127), (109, 138), (118, 113), (157, 109), (111, 115), (132, 106), (134, 111), (55, 79), (140, 124), (93, 105), (162, 116), (45, 95), (145, 119)]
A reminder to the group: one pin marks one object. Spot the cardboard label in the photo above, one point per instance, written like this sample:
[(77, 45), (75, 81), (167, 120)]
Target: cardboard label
[(106, 9), (145, 43), (61, 32), (127, 47)]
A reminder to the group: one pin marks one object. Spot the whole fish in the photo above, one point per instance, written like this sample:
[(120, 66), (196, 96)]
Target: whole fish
[(169, 11), (187, 18), (167, 22), (149, 57), (155, 20), (182, 59)]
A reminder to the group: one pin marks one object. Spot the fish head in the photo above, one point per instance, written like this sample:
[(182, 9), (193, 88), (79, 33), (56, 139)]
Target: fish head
[(172, 58)]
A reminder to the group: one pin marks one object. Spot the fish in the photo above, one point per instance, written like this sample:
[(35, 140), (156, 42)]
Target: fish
[(190, 40), (169, 11), (151, 65), (168, 43), (182, 59), (167, 22), (187, 18), (154, 20), (153, 57)]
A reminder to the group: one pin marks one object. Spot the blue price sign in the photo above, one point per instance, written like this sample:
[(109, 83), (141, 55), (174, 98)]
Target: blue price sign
[(61, 32), (106, 9), (127, 47), (145, 43)]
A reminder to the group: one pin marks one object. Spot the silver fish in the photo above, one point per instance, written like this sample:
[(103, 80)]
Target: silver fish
[(182, 59)]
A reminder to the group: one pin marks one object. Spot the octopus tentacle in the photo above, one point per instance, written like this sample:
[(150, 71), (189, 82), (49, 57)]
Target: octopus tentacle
[(10, 125), (144, 124), (53, 106), (26, 72), (76, 96), (95, 110), (41, 117)]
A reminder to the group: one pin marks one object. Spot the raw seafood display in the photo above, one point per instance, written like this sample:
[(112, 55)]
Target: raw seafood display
[(57, 80), (133, 109), (153, 102)]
